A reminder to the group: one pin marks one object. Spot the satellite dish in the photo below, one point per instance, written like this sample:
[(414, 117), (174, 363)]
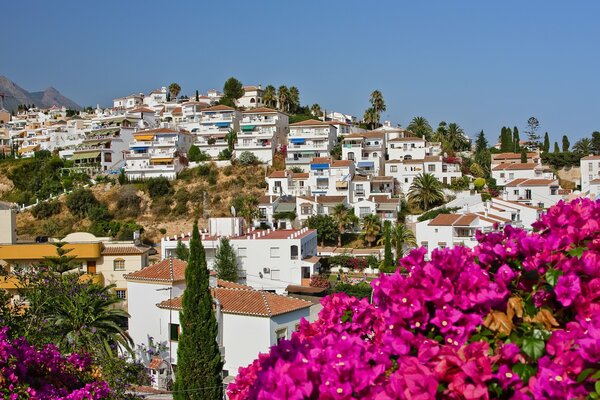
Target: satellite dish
[(233, 211)]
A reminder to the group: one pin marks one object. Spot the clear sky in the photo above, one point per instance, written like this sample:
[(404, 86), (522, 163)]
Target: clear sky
[(482, 64)]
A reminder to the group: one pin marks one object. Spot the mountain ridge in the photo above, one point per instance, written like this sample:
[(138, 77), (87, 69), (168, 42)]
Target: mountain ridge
[(14, 95)]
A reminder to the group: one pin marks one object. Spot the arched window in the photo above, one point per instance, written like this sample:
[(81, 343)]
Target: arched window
[(374, 155), (350, 156), (252, 100), (294, 252)]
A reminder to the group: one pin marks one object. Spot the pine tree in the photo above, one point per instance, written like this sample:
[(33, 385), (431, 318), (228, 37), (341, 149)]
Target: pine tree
[(556, 148), (481, 143), (181, 251), (388, 256), (199, 364), (546, 143), (596, 142), (516, 140), (225, 261), (565, 144), (532, 137)]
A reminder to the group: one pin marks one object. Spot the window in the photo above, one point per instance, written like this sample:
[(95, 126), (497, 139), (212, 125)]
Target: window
[(436, 230), (119, 264), (305, 272), (294, 252), (425, 244), (241, 252), (394, 168), (262, 212), (374, 155), (516, 192), (501, 174), (275, 274), (281, 334), (590, 166), (364, 211), (405, 180), (274, 252), (121, 293), (174, 332), (350, 156), (306, 210), (431, 168), (408, 157), (511, 176)]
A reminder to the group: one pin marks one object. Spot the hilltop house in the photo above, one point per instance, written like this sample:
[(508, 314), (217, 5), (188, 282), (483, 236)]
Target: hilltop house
[(307, 140), (263, 131), (590, 173)]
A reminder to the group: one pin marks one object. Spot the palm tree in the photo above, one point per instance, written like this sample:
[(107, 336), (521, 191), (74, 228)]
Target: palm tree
[(174, 89), (420, 127), (85, 319), (270, 96), (456, 140), (315, 110), (425, 191), (401, 237), (283, 96), (294, 99), (231, 138), (371, 118), (377, 103), (371, 228), (344, 218), (440, 132), (583, 146)]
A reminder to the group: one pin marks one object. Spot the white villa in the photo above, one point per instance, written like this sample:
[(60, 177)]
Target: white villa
[(262, 132), (590, 173), (307, 140)]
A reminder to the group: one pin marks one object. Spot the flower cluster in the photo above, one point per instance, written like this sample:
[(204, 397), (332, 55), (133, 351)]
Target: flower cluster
[(26, 372), (515, 317)]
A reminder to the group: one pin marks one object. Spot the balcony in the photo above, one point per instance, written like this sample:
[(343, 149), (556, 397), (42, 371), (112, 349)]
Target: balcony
[(156, 167), (341, 185), (359, 192), (258, 121)]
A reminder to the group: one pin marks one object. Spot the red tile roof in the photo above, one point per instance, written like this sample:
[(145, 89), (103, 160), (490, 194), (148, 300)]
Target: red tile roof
[(452, 220), (167, 270), (341, 163), (300, 175), (278, 174), (124, 250), (330, 199), (587, 158), (515, 166), (247, 302), (310, 122), (219, 107), (260, 110)]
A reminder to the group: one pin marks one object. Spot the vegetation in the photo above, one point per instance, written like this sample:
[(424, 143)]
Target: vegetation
[(420, 127), (345, 219), (372, 115), (246, 207), (46, 209), (232, 90), (81, 202), (182, 252), (325, 225), (159, 187), (431, 214), (199, 362), (174, 90), (402, 237), (452, 137), (371, 228), (361, 290), (197, 155), (226, 261), (389, 264), (425, 191), (248, 158), (533, 138)]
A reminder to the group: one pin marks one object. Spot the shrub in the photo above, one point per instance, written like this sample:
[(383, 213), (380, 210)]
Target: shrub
[(360, 290), (515, 317), (197, 155), (320, 281), (479, 183), (181, 199), (158, 187), (80, 202), (357, 263), (128, 202), (248, 158), (46, 209), (162, 231), (431, 214), (225, 154)]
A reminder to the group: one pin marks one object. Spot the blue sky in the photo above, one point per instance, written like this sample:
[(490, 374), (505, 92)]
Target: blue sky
[(481, 64)]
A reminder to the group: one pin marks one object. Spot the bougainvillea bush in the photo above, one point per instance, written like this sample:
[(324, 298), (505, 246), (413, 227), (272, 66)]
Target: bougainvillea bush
[(29, 373), (517, 317)]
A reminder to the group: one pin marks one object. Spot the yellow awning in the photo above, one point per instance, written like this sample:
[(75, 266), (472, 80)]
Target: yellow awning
[(85, 155), (166, 160), (144, 138), (37, 251)]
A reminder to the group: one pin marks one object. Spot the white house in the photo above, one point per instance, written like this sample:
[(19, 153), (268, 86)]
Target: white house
[(407, 148), (215, 122), (542, 193), (590, 171), (307, 140), (131, 101), (269, 259), (367, 150), (157, 152), (327, 176), (288, 183), (507, 172), (252, 98), (263, 131), (249, 321), (515, 158)]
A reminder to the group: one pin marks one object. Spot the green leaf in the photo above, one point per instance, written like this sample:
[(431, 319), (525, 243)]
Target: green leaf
[(597, 387), (552, 276), (577, 251), (596, 376), (584, 374), (529, 306), (533, 347), (525, 371)]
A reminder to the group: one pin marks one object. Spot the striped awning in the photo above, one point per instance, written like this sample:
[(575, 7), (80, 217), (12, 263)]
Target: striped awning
[(222, 124), (85, 155), (144, 138), (248, 128)]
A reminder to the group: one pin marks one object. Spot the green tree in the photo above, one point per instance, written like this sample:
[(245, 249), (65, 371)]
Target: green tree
[(378, 104), (226, 261), (481, 143), (246, 206), (371, 228), (523, 155), (283, 98), (344, 218), (231, 138), (197, 155), (315, 110), (546, 147), (270, 96), (248, 158), (294, 99), (565, 144), (61, 262), (388, 257), (506, 140), (595, 146), (199, 362), (174, 90), (516, 140), (182, 252), (80, 202), (402, 237), (233, 89), (482, 158), (159, 187), (325, 226), (371, 118), (533, 138), (583, 146), (556, 148), (425, 191), (420, 127)]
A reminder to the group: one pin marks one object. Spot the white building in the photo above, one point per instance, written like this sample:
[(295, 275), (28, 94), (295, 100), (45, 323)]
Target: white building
[(367, 150), (590, 171), (541, 193), (515, 158), (252, 98), (307, 140), (331, 177), (211, 131), (263, 131), (507, 172), (448, 230), (249, 321), (156, 97), (157, 152), (288, 183), (131, 101), (269, 259)]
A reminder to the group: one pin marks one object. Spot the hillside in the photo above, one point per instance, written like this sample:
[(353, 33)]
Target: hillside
[(203, 191), (15, 95)]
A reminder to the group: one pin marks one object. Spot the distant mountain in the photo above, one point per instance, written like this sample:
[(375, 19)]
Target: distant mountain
[(15, 95)]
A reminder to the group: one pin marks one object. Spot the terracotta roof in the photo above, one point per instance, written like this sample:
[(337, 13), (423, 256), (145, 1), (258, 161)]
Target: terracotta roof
[(591, 158), (176, 110), (219, 107), (341, 163), (452, 220), (310, 122), (433, 158), (266, 199), (247, 302), (382, 178), (330, 199), (158, 130), (320, 160), (518, 166), (407, 139), (531, 182), (300, 175), (305, 289), (251, 87), (516, 182), (370, 134), (595, 182), (142, 110), (155, 363), (498, 218), (312, 259), (124, 250), (260, 110), (384, 199), (515, 203), (232, 285), (278, 174), (511, 156), (167, 270), (195, 103)]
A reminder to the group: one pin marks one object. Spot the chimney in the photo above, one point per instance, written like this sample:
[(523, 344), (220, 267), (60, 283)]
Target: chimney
[(212, 281)]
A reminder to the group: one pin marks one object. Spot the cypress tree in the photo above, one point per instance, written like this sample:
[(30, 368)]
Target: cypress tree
[(181, 251), (199, 364), (565, 144), (225, 261), (546, 143), (556, 148), (388, 257), (197, 96), (523, 155), (516, 140), (505, 140)]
